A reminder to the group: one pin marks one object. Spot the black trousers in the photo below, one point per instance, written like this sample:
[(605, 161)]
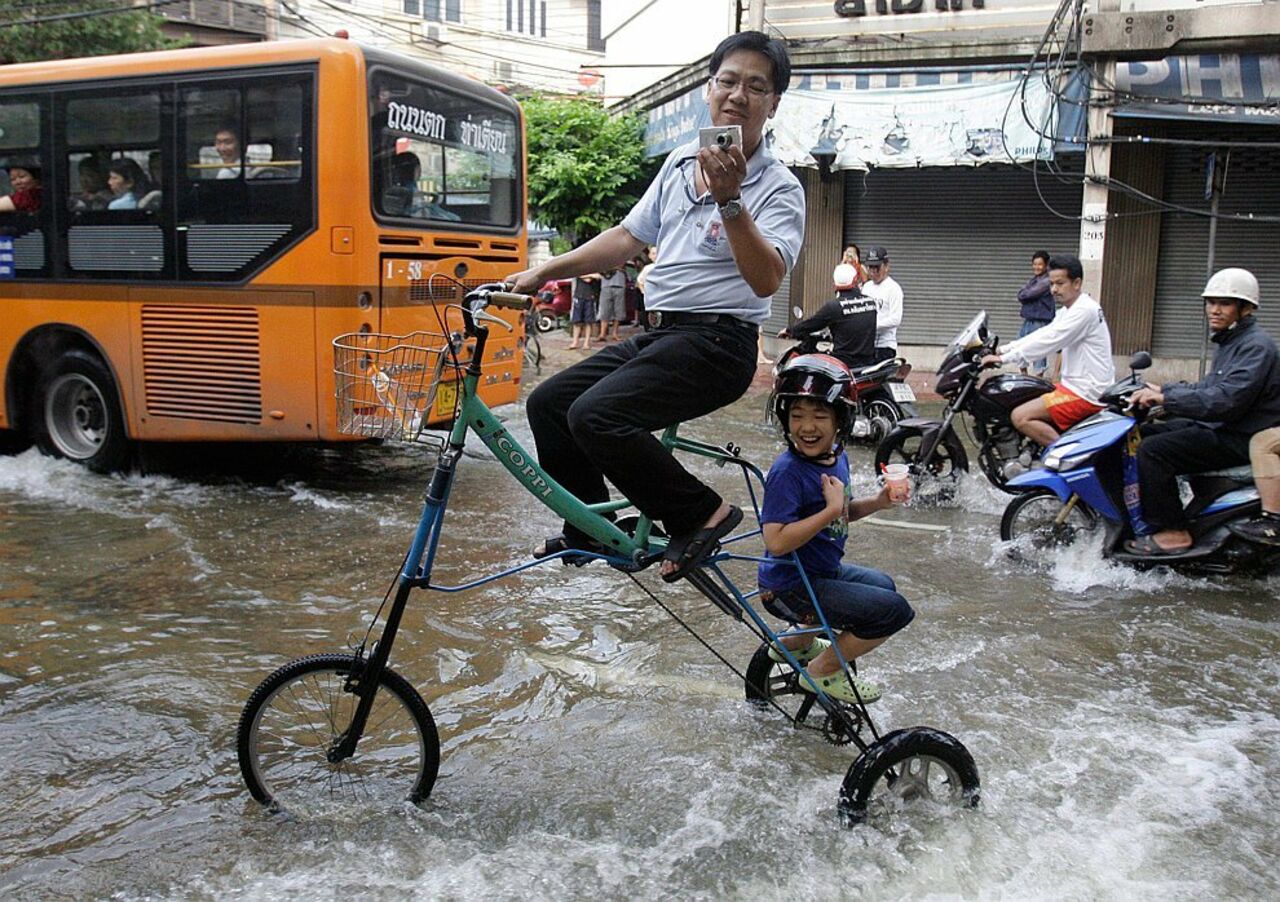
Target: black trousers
[(597, 418), (1176, 447), (883, 354)]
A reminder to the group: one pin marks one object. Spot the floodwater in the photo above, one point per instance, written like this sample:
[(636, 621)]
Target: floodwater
[(1125, 724)]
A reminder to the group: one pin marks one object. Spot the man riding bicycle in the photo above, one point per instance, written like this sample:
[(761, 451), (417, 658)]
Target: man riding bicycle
[(730, 223)]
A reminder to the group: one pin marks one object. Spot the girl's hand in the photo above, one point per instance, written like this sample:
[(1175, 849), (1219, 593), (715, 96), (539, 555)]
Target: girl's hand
[(833, 494)]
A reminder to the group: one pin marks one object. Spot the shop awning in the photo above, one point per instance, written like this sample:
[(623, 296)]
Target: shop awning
[(891, 118)]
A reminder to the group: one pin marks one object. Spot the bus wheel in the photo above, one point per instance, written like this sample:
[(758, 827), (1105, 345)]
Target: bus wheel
[(80, 416)]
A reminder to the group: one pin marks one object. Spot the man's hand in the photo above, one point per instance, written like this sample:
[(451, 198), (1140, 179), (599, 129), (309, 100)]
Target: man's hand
[(1150, 396), (723, 170), (526, 282), (992, 360)]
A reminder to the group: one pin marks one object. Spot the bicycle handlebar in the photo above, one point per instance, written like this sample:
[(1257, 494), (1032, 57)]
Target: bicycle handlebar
[(510, 300)]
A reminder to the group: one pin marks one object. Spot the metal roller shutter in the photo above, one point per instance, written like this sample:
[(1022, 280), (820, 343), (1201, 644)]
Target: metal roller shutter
[(1253, 186), (779, 315), (960, 239)]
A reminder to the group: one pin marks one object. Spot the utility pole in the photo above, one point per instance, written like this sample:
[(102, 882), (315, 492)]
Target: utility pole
[(1097, 167)]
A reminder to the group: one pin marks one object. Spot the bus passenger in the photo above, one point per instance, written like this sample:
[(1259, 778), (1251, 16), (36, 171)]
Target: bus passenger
[(127, 182), (226, 141), (94, 194), (24, 179), (730, 222)]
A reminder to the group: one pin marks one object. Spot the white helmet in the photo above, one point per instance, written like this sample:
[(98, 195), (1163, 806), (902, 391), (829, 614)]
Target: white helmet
[(1233, 283), (844, 276)]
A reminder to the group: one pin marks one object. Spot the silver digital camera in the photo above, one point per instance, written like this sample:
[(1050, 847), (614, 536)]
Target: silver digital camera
[(722, 136)]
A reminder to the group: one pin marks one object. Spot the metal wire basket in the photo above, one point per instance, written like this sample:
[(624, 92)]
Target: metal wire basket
[(388, 386)]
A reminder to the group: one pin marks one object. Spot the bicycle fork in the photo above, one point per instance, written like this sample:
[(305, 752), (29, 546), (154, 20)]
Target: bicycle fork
[(364, 681)]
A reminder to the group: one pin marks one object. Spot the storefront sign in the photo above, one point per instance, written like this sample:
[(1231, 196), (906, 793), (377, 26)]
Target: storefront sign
[(1222, 87), (853, 8)]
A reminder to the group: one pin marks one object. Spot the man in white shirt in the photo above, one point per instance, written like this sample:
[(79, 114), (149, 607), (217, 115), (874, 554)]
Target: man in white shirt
[(887, 294), (1079, 331)]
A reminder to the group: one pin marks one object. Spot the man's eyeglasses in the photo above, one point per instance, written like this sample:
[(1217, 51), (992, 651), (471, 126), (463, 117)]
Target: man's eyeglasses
[(729, 85)]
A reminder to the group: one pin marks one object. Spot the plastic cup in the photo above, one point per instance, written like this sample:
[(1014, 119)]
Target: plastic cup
[(898, 479)]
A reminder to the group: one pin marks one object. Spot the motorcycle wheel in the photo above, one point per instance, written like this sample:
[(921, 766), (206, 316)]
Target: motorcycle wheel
[(993, 466), (546, 321), (939, 476), (887, 412), (1030, 520)]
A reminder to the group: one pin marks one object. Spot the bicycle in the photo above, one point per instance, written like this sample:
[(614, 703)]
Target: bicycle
[(332, 726), (533, 355)]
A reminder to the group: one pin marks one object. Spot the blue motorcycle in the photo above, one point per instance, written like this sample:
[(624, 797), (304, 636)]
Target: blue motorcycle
[(1088, 482)]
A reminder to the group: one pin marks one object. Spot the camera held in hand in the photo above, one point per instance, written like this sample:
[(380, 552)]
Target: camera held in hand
[(722, 136)]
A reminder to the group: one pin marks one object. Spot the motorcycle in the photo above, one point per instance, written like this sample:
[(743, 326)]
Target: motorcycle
[(1089, 482), (932, 449), (553, 305), (880, 394)]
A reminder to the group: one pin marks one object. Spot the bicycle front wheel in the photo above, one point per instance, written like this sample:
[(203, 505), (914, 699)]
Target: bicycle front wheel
[(297, 715)]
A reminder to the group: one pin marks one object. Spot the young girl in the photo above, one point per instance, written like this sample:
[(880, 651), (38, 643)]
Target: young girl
[(806, 510)]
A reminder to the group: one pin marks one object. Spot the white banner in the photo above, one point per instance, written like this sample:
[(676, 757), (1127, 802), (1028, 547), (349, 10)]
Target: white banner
[(942, 125)]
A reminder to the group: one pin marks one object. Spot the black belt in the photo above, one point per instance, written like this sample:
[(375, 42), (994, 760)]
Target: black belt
[(664, 319)]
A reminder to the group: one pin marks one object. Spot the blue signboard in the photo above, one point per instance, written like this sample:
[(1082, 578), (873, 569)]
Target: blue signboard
[(1222, 87)]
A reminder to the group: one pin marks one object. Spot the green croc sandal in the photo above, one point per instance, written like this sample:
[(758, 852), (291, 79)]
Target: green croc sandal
[(838, 688), (804, 655)]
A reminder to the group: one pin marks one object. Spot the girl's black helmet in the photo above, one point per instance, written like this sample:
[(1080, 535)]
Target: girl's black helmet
[(820, 377)]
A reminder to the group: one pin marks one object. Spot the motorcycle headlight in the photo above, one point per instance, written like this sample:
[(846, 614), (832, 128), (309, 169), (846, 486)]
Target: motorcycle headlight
[(1065, 457)]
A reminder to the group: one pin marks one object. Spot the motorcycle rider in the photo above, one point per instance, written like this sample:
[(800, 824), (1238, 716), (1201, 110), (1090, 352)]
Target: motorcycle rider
[(1079, 331), (1213, 418), (851, 317)]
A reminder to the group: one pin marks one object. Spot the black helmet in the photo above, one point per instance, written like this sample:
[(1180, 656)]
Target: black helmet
[(818, 376)]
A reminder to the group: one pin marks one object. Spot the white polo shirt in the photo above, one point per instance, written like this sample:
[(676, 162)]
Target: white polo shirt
[(1080, 332), (695, 270), (888, 297)]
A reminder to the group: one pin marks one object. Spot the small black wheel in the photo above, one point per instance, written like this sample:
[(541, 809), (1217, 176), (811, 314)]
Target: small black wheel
[(905, 766), (79, 414), (1031, 520), (298, 713), (767, 678), (884, 415), (934, 480)]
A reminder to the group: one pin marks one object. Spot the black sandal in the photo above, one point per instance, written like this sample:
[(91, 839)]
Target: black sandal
[(688, 552), (561, 543)]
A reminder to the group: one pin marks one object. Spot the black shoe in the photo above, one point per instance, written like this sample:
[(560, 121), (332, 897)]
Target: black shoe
[(1263, 529)]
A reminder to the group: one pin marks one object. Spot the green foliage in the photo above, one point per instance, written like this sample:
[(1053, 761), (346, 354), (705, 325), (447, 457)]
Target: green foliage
[(586, 168), (24, 40)]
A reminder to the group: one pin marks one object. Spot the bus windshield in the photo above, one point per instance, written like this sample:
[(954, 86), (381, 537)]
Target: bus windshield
[(442, 156)]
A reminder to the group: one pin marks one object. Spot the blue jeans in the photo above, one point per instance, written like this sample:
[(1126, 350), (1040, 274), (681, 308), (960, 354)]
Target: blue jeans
[(862, 600), (1041, 366)]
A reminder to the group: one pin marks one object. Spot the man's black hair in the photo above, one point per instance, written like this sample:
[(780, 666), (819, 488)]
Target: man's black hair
[(1041, 255), (760, 42), (1070, 262)]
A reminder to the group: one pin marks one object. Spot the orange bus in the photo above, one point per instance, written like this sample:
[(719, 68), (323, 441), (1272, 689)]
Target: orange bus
[(183, 234)]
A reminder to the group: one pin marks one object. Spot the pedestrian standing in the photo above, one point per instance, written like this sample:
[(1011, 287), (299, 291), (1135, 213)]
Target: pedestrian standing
[(613, 303), (583, 313), (1037, 307), (887, 293)]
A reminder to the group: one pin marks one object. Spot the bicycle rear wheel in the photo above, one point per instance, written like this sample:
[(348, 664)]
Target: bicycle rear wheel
[(298, 713)]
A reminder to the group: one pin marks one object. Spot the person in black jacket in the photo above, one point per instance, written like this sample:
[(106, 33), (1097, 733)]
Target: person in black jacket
[(851, 317), (1214, 418)]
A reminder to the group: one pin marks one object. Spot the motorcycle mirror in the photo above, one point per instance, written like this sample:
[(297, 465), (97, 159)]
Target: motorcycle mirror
[(797, 311), (1140, 361)]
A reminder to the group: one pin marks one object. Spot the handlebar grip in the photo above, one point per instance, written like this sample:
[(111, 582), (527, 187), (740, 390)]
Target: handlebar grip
[(510, 300)]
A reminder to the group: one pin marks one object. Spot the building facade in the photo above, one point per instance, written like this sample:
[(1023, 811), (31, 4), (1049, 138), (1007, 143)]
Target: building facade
[(542, 45)]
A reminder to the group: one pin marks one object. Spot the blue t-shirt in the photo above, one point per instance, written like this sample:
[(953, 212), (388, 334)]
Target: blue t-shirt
[(793, 491)]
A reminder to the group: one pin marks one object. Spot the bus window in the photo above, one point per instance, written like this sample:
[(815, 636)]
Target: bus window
[(246, 173), (23, 211), (442, 157), (114, 226)]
